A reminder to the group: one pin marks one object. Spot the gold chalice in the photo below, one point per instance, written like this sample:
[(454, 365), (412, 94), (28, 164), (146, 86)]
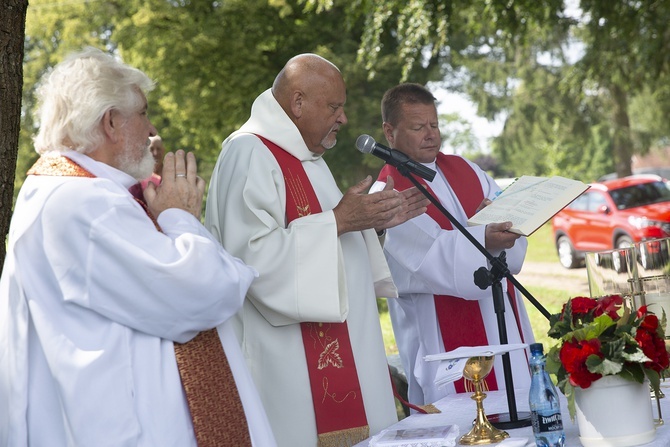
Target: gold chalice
[(482, 432)]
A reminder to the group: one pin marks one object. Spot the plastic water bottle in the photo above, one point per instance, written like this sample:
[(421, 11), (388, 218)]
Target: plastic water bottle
[(545, 408)]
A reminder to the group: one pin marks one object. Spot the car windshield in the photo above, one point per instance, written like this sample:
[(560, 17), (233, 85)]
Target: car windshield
[(640, 195)]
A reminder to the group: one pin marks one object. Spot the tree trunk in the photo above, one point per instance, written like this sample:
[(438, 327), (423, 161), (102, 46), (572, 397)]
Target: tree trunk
[(12, 33), (622, 144)]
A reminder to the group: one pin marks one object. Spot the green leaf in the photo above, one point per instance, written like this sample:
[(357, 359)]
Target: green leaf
[(595, 329), (633, 372), (605, 367), (559, 328), (553, 363), (635, 357), (654, 379), (569, 392)]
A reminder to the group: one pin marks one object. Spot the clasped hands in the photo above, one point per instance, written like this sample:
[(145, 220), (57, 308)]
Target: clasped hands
[(180, 186), (384, 209)]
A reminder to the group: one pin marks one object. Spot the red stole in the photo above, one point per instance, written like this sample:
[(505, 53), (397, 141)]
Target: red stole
[(336, 392), (452, 311)]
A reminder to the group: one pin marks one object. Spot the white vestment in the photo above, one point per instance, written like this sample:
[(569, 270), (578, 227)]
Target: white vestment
[(307, 273), (92, 298), (426, 260)]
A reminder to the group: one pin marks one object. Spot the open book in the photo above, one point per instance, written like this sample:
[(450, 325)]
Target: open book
[(529, 202)]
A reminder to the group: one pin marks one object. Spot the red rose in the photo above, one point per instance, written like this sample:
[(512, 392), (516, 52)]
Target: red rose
[(580, 306), (662, 359), (651, 344), (609, 305), (573, 356), (650, 323), (642, 311)]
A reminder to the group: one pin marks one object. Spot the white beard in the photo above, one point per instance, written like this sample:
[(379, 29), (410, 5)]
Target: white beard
[(329, 144), (128, 162)]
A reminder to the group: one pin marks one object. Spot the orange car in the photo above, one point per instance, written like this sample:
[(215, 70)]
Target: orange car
[(614, 214)]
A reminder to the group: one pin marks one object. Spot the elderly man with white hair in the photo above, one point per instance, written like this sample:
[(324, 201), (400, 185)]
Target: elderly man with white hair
[(107, 298)]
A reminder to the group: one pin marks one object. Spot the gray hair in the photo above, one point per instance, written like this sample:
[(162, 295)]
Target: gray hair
[(75, 95)]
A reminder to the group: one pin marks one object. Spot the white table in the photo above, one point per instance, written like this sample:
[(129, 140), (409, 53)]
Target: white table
[(460, 410)]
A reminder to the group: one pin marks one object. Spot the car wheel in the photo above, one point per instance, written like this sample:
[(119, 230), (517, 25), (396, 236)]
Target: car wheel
[(566, 253), (653, 259), (618, 257), (598, 259)]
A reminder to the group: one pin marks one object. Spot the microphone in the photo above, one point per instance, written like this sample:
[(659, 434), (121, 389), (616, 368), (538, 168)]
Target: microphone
[(368, 145)]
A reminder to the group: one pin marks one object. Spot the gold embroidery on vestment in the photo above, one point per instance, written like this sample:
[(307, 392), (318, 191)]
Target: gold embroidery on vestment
[(295, 188), (333, 396), (58, 166), (319, 337), (348, 436), (330, 356)]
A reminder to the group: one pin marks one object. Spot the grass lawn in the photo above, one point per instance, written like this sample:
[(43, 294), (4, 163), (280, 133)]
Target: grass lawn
[(541, 246), (540, 249)]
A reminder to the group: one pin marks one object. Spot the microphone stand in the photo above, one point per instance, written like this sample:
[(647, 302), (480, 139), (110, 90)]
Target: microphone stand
[(484, 278)]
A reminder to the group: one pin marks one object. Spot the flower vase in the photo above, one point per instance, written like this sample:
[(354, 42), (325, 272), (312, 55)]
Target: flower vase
[(614, 412)]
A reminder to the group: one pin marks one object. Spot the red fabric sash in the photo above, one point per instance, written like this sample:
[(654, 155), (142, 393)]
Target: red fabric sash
[(451, 310), (336, 392)]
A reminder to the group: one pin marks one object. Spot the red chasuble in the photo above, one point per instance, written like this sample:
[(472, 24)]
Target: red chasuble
[(451, 310), (336, 392)]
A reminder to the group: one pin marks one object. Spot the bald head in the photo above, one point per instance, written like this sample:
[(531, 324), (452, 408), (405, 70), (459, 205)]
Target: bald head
[(311, 91), (157, 149), (303, 72)]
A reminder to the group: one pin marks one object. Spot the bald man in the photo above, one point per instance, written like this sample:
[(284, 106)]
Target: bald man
[(157, 150), (309, 327)]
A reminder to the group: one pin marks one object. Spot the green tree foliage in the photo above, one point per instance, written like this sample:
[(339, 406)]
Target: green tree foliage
[(490, 50), (612, 100), (625, 55), (210, 60), (551, 130)]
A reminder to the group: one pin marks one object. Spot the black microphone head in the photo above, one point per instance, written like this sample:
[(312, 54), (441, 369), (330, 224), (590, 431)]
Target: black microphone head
[(365, 143)]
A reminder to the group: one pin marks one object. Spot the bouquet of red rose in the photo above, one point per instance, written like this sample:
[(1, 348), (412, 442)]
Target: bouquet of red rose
[(600, 337)]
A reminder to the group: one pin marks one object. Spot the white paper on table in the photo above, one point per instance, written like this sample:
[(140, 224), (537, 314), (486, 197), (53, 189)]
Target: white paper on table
[(436, 436), (453, 362), (515, 442)]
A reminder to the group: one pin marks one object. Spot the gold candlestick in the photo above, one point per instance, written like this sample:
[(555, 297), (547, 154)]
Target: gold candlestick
[(482, 432)]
